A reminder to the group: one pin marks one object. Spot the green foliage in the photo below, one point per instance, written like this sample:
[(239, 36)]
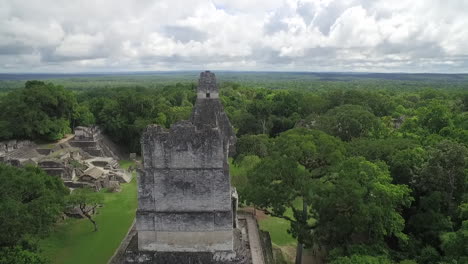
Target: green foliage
[(17, 255), (38, 111), (297, 158), (239, 172), (446, 171), (428, 255), (417, 126), (357, 203), (406, 164), (30, 203), (125, 113), (83, 116), (252, 145), (379, 103), (435, 116), (362, 259), (87, 200), (379, 149), (350, 121), (455, 244), (84, 196), (74, 242)]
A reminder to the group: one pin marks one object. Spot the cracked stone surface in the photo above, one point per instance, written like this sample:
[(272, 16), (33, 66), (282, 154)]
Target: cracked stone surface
[(184, 191)]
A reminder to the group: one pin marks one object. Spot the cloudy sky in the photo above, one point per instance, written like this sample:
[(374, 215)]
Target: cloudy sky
[(279, 35)]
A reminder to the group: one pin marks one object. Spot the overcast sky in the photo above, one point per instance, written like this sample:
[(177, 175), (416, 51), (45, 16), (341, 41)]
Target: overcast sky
[(279, 35)]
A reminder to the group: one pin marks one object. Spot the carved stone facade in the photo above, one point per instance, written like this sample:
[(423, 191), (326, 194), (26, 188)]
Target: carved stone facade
[(185, 197)]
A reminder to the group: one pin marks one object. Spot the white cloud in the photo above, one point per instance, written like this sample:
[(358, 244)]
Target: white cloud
[(81, 46), (316, 35)]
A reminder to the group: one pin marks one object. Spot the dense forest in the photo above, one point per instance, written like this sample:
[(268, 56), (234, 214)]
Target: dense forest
[(373, 171)]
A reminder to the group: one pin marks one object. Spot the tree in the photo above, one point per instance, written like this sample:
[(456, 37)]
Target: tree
[(38, 111), (30, 203), (17, 255), (379, 149), (281, 124), (405, 165), (358, 204), (285, 103), (445, 172), (435, 116), (82, 116), (246, 123), (274, 185), (311, 104), (286, 175), (350, 121), (252, 145), (455, 244), (439, 189), (362, 259), (379, 103), (239, 172), (261, 110), (87, 201)]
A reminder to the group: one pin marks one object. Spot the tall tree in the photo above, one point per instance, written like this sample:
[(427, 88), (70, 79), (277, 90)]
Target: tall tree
[(350, 121), (297, 158), (38, 111), (445, 172), (358, 204), (30, 203)]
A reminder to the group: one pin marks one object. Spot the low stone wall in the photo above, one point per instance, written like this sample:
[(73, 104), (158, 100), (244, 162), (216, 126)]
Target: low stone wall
[(133, 255), (267, 247), (11, 145)]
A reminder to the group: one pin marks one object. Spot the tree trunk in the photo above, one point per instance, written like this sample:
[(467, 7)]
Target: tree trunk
[(86, 213), (300, 246), (92, 221), (299, 253)]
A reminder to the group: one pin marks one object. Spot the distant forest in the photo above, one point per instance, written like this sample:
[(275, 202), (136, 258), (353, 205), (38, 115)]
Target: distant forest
[(270, 80), (366, 168)]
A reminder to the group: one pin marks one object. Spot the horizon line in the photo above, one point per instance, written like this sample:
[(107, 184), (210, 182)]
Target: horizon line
[(221, 71)]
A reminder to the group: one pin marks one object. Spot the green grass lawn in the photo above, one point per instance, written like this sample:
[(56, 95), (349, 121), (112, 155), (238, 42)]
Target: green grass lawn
[(277, 227), (74, 242), (281, 239), (124, 164)]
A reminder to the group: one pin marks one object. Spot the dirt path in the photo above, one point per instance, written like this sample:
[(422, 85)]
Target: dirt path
[(65, 139)]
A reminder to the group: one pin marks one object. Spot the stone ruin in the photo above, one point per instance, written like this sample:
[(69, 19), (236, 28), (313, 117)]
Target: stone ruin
[(80, 161), (92, 141), (186, 205)]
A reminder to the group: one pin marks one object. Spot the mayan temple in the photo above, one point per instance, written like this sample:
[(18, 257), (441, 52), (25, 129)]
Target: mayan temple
[(186, 205)]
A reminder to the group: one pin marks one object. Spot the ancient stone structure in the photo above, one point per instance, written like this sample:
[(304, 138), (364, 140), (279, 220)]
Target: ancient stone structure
[(186, 209), (92, 141), (76, 167)]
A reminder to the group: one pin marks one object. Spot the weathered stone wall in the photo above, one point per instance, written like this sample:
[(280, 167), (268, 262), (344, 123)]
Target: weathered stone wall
[(12, 145), (184, 191), (92, 141), (207, 86), (240, 254), (209, 112)]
